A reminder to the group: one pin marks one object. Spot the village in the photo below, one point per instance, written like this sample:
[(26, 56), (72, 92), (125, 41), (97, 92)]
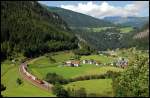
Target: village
[(119, 62)]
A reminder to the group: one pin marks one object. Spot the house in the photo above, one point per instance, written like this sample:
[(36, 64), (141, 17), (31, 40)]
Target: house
[(68, 63), (97, 63), (122, 62), (91, 62), (84, 61), (72, 63), (112, 53), (76, 63), (88, 62)]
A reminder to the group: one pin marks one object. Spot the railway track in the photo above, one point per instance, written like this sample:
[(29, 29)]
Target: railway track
[(44, 85)]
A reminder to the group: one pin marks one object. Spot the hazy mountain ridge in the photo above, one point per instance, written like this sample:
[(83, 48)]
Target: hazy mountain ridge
[(128, 21)]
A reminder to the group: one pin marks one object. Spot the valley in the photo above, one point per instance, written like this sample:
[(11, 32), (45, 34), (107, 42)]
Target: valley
[(50, 50), (41, 66)]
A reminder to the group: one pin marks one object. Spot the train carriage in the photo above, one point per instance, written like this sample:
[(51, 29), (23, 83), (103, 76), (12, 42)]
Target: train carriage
[(30, 75)]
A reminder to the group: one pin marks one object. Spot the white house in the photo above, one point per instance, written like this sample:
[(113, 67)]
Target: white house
[(97, 63), (91, 62), (84, 61), (76, 63), (122, 62), (68, 63)]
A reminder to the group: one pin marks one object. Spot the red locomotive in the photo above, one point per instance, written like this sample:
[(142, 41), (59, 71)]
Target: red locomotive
[(39, 81)]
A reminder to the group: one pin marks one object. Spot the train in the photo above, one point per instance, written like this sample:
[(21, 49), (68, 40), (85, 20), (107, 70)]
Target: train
[(39, 81)]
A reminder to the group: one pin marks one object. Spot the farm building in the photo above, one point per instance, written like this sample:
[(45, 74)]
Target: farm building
[(90, 62), (97, 63), (72, 63), (122, 62)]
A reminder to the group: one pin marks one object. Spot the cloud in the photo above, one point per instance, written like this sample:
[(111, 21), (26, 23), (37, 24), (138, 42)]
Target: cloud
[(105, 9)]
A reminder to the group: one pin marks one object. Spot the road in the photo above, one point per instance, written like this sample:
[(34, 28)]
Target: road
[(45, 86)]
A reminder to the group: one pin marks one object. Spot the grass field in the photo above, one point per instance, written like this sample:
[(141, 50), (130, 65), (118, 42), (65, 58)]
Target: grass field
[(126, 29), (71, 72), (5, 68), (99, 29), (43, 61), (13, 89), (100, 87), (100, 58), (42, 66), (60, 57)]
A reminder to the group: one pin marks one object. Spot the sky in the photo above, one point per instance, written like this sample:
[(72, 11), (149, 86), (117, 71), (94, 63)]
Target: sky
[(101, 9)]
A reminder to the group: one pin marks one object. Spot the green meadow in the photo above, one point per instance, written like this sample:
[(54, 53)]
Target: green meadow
[(42, 66), (99, 29), (71, 72), (126, 29), (100, 87), (9, 75)]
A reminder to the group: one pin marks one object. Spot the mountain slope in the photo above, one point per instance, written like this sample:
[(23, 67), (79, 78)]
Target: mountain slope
[(107, 35), (128, 21), (75, 19), (141, 39), (28, 28)]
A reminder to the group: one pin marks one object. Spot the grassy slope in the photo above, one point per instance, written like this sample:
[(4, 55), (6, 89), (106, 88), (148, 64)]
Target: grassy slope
[(101, 58), (42, 66), (99, 29), (12, 89), (102, 87), (44, 61), (70, 72), (126, 29), (5, 68)]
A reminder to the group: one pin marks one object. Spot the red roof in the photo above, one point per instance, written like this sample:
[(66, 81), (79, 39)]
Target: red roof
[(75, 62)]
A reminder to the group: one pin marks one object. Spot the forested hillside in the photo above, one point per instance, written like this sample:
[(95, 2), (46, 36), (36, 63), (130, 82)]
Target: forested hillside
[(101, 34), (75, 19), (28, 28), (141, 39), (103, 40)]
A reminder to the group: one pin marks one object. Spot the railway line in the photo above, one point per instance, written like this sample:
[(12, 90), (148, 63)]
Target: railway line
[(33, 79)]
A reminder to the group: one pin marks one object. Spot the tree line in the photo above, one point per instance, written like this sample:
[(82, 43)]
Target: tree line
[(55, 78)]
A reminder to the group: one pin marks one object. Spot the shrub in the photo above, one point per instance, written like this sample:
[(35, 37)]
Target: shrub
[(59, 91), (80, 92), (3, 87), (82, 52), (54, 78), (19, 81)]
